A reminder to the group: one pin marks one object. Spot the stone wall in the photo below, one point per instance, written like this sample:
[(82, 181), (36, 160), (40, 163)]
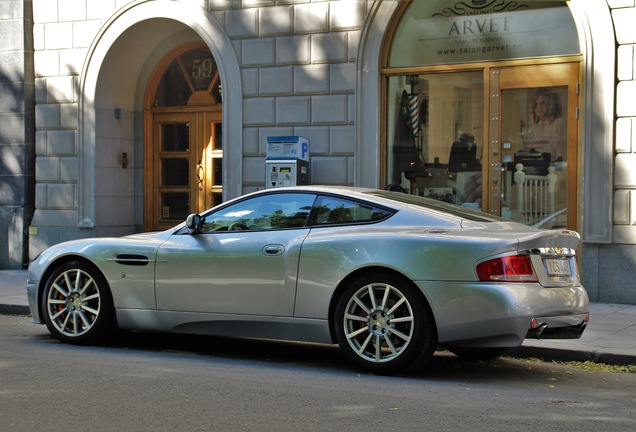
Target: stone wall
[(63, 30), (624, 16), (298, 62), (608, 269), (298, 70), (16, 131), (298, 66)]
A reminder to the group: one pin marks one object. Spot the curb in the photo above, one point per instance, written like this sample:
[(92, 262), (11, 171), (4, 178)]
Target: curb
[(564, 355), (14, 310)]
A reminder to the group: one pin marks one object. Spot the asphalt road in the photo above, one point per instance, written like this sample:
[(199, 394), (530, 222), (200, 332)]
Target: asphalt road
[(150, 382)]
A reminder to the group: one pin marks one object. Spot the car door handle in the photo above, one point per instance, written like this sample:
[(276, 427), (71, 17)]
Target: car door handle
[(273, 250)]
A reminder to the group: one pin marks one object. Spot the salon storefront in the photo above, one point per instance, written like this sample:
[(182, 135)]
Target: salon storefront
[(148, 110), (468, 112)]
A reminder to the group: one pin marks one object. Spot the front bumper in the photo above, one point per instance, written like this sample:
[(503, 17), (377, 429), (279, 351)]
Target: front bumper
[(32, 292)]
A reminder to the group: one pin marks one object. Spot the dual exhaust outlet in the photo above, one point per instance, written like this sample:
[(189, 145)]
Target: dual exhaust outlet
[(542, 331)]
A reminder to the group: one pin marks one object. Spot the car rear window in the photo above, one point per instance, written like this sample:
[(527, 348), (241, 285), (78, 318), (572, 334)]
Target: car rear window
[(418, 201), (332, 210)]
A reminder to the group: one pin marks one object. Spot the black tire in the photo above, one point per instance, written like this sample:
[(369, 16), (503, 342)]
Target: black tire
[(382, 325), (476, 354), (77, 306)]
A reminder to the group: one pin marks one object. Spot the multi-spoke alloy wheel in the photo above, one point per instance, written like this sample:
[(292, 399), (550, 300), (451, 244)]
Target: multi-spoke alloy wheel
[(382, 325), (378, 322), (76, 304)]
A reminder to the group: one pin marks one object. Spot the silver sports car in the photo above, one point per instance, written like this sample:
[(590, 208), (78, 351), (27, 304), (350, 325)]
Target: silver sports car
[(387, 276)]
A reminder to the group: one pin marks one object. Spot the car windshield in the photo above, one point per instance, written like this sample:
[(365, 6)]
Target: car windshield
[(459, 211)]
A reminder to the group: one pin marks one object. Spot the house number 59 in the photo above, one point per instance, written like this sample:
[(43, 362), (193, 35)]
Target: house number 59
[(201, 68)]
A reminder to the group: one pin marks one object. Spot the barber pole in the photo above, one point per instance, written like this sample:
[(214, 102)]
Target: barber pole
[(414, 114)]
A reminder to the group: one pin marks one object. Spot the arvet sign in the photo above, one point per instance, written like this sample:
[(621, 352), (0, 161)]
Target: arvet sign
[(485, 30)]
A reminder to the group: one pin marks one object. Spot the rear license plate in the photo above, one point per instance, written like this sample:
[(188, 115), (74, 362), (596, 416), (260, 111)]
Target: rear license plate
[(557, 267)]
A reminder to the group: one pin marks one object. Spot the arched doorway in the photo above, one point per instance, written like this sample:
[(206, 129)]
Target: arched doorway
[(458, 87), (183, 137)]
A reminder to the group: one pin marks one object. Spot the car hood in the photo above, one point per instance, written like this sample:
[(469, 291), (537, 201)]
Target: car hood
[(82, 246), (152, 236), (96, 249)]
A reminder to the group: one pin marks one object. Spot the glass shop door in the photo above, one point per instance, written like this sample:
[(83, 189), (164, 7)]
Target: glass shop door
[(532, 156)]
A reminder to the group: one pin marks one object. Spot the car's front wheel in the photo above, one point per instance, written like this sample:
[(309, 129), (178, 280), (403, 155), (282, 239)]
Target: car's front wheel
[(383, 326), (77, 305)]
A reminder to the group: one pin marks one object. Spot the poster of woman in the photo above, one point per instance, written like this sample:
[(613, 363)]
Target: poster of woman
[(544, 131)]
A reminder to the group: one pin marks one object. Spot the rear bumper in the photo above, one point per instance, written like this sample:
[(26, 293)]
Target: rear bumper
[(504, 314)]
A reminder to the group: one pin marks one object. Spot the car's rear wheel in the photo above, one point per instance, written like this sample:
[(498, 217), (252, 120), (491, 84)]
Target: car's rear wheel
[(77, 305), (383, 326)]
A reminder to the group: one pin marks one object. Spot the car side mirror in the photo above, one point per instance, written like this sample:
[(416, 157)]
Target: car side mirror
[(194, 223)]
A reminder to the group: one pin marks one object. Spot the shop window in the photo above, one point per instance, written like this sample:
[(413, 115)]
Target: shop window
[(437, 136)]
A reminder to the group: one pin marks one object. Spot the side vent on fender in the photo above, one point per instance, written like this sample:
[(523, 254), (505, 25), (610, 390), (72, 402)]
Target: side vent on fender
[(132, 259)]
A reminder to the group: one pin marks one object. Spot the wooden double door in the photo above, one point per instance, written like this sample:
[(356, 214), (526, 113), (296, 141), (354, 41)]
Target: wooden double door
[(184, 165)]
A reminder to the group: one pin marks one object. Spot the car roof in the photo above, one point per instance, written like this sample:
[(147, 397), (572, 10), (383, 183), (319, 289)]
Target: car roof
[(322, 188), (346, 191), (397, 201), (388, 199)]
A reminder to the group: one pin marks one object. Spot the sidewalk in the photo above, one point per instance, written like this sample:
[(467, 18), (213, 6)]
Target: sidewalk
[(610, 336)]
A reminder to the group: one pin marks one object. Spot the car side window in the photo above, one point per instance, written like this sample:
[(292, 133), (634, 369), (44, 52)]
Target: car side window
[(330, 210), (268, 212)]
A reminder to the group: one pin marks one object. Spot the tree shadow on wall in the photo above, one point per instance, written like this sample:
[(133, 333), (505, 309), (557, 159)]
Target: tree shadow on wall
[(17, 159)]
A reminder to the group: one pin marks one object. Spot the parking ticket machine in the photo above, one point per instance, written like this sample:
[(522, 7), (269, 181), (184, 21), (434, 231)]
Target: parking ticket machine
[(287, 162)]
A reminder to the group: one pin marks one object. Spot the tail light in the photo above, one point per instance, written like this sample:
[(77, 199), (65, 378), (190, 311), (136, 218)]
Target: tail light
[(513, 268)]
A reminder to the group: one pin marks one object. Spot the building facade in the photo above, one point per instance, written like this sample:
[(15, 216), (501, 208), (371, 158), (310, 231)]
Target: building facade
[(125, 116)]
